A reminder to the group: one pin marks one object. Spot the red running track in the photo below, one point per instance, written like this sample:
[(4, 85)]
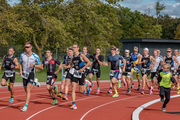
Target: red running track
[(93, 107)]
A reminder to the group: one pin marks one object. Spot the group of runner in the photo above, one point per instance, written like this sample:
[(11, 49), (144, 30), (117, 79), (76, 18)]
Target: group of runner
[(164, 70)]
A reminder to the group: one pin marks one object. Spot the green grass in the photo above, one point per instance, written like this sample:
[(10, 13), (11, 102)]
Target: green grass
[(41, 75)]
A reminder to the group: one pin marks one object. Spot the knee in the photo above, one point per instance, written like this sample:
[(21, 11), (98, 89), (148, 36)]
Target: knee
[(48, 87)]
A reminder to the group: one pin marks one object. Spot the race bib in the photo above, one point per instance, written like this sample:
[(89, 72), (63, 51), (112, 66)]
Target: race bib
[(95, 70), (49, 78), (9, 73), (112, 73), (77, 74), (143, 71), (65, 74), (88, 68), (71, 71), (25, 75), (136, 69), (153, 69)]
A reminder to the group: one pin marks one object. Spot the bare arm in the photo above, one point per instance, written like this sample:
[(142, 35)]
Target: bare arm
[(124, 64), (20, 68), (176, 62), (16, 63), (59, 68), (86, 60), (2, 63)]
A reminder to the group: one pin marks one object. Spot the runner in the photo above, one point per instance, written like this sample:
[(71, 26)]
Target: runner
[(145, 60), (29, 59), (10, 63), (77, 70), (50, 64), (114, 60), (165, 80), (169, 59), (97, 62), (120, 73), (127, 74), (135, 56), (176, 56), (67, 75), (87, 71), (64, 76), (155, 68)]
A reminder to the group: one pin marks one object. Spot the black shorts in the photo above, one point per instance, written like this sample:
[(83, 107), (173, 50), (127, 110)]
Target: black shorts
[(11, 79), (87, 71), (128, 74), (51, 79), (30, 79), (145, 72), (68, 76), (78, 80), (97, 72), (154, 74), (178, 72)]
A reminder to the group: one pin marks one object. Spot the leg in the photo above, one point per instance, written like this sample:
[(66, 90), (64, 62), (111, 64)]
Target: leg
[(167, 96), (74, 85), (144, 81), (114, 81), (62, 85), (67, 86), (12, 89), (138, 78), (132, 71), (161, 93)]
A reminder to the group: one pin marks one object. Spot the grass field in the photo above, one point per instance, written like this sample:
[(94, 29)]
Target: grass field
[(41, 75)]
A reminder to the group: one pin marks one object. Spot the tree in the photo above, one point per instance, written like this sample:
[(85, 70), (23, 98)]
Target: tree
[(177, 32), (159, 7)]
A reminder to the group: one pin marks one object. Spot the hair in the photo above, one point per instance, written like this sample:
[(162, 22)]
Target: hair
[(128, 50), (98, 48), (12, 48), (177, 50), (168, 66), (49, 50), (28, 43), (113, 47), (77, 45), (135, 47), (85, 47), (169, 49)]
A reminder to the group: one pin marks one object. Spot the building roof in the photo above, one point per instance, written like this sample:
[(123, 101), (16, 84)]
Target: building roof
[(150, 40)]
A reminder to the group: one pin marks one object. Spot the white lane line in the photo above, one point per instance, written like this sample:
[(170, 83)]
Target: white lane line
[(105, 105), (56, 106), (22, 90), (135, 115)]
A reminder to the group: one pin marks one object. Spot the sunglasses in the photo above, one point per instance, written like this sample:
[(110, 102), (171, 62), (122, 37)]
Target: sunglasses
[(27, 46), (169, 51), (113, 49)]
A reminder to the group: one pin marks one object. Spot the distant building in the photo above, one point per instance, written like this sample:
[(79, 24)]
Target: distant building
[(151, 44)]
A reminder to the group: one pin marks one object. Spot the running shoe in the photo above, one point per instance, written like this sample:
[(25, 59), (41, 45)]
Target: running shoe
[(124, 82), (38, 84), (173, 86), (110, 91), (98, 91), (65, 98), (150, 91), (11, 100), (24, 109), (84, 92), (55, 89), (88, 92), (142, 92), (119, 83), (132, 86), (54, 102), (74, 107), (60, 95), (115, 95), (162, 100), (139, 87), (128, 91), (163, 109)]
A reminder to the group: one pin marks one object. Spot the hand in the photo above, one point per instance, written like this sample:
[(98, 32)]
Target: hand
[(144, 61), (123, 70), (56, 73), (20, 72), (12, 66), (81, 70), (127, 62), (96, 57), (0, 67), (105, 64), (31, 65)]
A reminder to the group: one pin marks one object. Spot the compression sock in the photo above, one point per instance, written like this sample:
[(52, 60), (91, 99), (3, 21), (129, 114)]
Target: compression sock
[(116, 92), (7, 84), (35, 83), (110, 88), (73, 102), (54, 98), (98, 88), (26, 105), (66, 94), (12, 96)]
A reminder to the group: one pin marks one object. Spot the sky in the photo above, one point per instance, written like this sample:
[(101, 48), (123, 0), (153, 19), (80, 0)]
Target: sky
[(146, 6)]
